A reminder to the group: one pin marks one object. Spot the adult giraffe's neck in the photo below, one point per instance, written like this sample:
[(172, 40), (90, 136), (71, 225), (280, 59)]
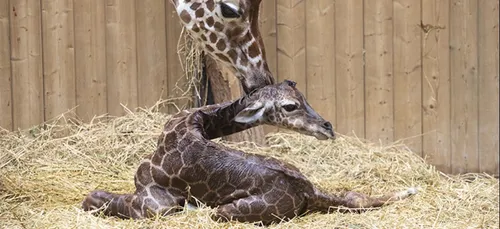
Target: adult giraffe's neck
[(255, 72), (254, 78), (218, 120)]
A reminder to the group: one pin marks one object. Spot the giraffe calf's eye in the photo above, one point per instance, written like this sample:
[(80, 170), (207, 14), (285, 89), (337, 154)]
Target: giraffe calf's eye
[(227, 11), (290, 107)]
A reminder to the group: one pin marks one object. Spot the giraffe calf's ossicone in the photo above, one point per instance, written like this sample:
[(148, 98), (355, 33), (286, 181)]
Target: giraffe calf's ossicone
[(243, 187)]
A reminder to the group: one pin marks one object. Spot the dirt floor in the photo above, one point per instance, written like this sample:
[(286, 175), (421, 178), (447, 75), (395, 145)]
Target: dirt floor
[(46, 172)]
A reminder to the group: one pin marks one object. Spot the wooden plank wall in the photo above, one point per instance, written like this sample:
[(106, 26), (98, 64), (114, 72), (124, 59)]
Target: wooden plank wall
[(424, 72), (5, 73)]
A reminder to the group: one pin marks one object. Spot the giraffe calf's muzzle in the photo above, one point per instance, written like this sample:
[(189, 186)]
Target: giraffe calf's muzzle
[(329, 128), (321, 131)]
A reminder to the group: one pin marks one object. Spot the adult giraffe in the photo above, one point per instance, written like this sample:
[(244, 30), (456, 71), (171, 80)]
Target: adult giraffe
[(228, 31)]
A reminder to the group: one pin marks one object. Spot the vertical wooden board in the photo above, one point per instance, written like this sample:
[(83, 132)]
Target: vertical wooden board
[(26, 63), (379, 105), (121, 56), (488, 86), (291, 42), (58, 57), (176, 79), (5, 75), (320, 57), (464, 85), (349, 68), (151, 51), (90, 58), (407, 74), (267, 28), (268, 32), (436, 84)]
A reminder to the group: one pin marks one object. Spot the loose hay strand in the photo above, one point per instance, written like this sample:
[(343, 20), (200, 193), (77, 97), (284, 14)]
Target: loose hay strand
[(45, 176)]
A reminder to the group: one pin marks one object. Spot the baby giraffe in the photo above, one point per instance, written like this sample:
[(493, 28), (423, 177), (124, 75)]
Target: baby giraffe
[(243, 187)]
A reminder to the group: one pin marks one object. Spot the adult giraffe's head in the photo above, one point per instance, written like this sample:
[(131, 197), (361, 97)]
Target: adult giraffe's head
[(228, 30)]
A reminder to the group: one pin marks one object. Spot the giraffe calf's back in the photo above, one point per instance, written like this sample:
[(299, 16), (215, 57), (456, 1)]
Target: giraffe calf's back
[(218, 176)]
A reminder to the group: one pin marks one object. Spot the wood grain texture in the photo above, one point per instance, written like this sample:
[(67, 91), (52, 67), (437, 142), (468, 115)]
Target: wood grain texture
[(488, 86), (90, 58), (436, 101), (58, 57), (121, 56), (378, 31), (349, 68), (26, 62), (176, 78), (268, 31), (464, 85), (320, 57), (5, 74), (291, 42), (151, 51), (407, 74)]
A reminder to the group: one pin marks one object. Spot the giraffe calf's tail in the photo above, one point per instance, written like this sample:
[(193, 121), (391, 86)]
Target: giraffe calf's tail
[(353, 201), (110, 204)]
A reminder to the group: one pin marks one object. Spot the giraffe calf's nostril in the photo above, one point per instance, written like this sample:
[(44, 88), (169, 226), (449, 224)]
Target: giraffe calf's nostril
[(327, 125)]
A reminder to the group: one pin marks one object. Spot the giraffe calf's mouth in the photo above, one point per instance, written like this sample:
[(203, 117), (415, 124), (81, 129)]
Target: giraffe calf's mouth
[(325, 132), (324, 136)]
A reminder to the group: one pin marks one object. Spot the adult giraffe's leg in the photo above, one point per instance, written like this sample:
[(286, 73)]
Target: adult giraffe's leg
[(142, 204)]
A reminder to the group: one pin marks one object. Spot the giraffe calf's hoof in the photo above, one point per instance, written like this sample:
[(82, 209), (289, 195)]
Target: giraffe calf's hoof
[(412, 191), (406, 193), (96, 200)]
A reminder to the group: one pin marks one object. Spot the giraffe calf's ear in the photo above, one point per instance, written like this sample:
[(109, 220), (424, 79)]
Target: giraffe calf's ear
[(251, 114)]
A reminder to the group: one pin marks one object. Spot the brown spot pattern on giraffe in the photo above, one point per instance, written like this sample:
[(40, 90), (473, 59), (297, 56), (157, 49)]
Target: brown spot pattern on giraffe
[(195, 29), (185, 17), (244, 60), (210, 21), (223, 57), (253, 50), (213, 37), (247, 38), (221, 45), (209, 48), (218, 26), (200, 13), (210, 5), (195, 5), (233, 54), (234, 32)]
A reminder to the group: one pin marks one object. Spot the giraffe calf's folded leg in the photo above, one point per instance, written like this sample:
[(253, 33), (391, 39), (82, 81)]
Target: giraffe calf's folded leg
[(110, 204), (261, 210), (135, 206), (247, 209)]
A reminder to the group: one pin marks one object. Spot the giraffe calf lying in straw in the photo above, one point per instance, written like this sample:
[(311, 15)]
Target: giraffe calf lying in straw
[(243, 187)]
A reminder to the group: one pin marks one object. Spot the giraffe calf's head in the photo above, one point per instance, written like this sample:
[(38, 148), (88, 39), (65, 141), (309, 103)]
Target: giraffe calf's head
[(283, 105)]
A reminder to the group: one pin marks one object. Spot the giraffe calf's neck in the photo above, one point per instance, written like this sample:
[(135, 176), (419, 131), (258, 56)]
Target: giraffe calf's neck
[(243, 187)]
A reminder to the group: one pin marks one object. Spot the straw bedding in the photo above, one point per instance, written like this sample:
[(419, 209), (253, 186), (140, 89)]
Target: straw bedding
[(45, 172)]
